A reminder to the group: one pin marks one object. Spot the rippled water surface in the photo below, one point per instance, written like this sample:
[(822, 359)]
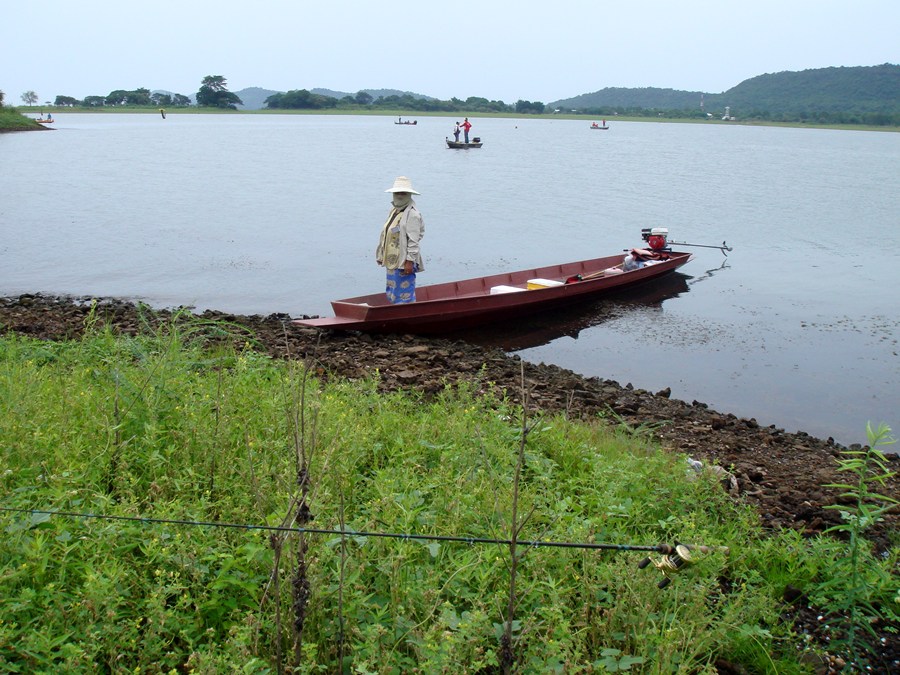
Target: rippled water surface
[(797, 326)]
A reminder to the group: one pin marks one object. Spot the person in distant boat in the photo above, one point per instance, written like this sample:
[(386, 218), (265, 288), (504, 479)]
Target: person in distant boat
[(398, 249), (456, 131), (466, 125)]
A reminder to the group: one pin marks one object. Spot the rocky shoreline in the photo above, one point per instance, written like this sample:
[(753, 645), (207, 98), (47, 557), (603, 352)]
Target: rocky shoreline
[(781, 474)]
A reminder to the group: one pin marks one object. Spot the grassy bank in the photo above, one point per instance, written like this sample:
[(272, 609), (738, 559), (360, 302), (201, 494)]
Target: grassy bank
[(12, 120), (171, 432)]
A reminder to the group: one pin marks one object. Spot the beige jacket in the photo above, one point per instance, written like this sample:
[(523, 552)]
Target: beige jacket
[(412, 229)]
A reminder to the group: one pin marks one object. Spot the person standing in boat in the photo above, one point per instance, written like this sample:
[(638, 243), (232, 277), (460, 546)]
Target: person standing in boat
[(398, 249), (466, 126), (456, 131)]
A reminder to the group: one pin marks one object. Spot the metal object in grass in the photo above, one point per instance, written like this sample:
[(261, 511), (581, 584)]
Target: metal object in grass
[(675, 558)]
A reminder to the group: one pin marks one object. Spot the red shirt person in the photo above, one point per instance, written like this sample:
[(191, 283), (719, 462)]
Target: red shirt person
[(466, 125)]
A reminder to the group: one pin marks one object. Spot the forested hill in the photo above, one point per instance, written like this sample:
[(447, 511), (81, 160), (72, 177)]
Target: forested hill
[(857, 89), (623, 97)]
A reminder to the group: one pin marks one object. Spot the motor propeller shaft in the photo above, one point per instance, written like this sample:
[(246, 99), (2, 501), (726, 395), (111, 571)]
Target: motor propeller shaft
[(724, 247)]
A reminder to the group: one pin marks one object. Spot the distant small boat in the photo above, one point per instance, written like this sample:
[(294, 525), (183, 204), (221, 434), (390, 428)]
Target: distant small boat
[(49, 120), (594, 125), (460, 145), (408, 122)]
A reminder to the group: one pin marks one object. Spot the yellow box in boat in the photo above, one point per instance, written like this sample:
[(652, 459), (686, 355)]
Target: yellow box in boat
[(534, 284)]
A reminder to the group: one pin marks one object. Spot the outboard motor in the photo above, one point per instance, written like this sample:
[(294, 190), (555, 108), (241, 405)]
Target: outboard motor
[(656, 238)]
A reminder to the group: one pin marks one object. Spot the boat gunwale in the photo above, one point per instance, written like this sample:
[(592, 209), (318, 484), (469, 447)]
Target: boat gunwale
[(361, 308)]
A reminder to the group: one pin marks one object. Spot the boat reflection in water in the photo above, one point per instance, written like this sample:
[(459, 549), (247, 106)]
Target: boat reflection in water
[(544, 327)]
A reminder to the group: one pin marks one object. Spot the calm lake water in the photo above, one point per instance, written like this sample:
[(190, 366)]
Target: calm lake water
[(255, 214)]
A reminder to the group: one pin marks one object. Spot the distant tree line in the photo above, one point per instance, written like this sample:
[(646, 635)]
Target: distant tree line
[(213, 93), (124, 97), (302, 99), (857, 95)]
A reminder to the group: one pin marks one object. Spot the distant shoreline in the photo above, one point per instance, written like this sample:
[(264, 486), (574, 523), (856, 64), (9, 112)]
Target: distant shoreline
[(58, 110)]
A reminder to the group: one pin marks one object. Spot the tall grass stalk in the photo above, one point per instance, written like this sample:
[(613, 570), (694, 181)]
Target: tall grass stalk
[(507, 653)]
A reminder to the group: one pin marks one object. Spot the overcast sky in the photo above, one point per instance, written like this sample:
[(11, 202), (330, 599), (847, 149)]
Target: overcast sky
[(500, 50)]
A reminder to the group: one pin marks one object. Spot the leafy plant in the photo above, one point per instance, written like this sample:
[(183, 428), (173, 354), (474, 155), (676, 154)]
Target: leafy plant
[(852, 582)]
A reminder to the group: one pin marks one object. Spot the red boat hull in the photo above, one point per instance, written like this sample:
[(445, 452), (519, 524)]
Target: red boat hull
[(447, 307)]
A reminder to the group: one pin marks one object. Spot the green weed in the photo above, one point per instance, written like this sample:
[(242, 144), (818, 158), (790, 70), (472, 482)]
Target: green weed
[(855, 588), (187, 422)]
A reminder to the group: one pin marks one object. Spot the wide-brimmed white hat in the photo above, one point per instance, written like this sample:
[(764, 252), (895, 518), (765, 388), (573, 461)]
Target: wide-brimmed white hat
[(402, 184)]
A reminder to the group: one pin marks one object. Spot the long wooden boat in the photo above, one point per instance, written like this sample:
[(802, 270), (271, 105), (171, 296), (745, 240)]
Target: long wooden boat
[(451, 306), (460, 145)]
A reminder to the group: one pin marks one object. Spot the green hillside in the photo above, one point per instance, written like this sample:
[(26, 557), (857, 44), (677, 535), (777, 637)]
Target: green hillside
[(842, 94), (254, 98), (623, 97), (873, 89), (374, 93)]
